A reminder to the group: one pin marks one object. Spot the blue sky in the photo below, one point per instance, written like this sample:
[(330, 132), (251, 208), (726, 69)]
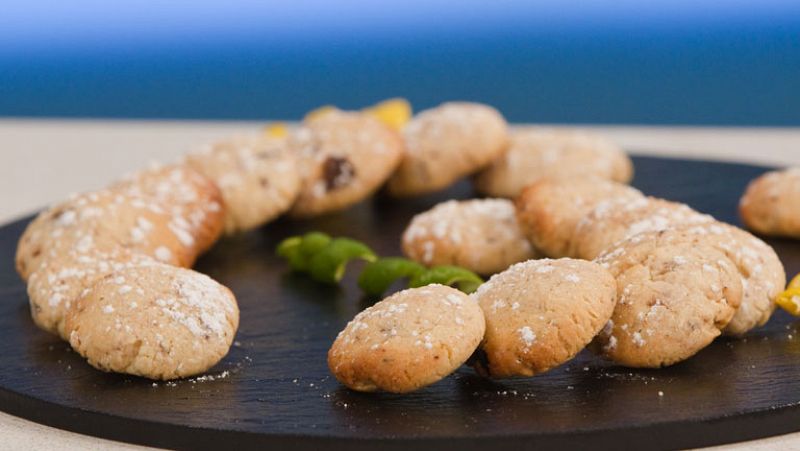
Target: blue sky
[(51, 26)]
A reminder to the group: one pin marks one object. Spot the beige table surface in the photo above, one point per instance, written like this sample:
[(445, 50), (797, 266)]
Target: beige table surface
[(43, 161)]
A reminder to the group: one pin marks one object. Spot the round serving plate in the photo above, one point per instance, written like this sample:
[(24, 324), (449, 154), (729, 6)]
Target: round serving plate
[(274, 388)]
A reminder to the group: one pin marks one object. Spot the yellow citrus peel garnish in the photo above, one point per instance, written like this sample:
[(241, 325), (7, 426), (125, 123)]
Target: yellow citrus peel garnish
[(789, 299), (393, 112), (319, 112), (276, 130)]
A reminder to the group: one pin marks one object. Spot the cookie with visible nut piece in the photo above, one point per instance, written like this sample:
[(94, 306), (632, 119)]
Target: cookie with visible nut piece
[(481, 235), (343, 157), (257, 176), (674, 297), (540, 314), (536, 153), (157, 321), (446, 143), (770, 204), (407, 341)]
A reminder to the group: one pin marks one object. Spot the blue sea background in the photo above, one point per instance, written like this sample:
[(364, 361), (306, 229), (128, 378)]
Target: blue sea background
[(644, 62)]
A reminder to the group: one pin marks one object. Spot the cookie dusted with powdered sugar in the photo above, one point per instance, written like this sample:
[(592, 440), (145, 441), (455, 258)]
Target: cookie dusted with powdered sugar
[(409, 340), (771, 203), (549, 210), (58, 283), (479, 234), (343, 157), (674, 296), (257, 176), (614, 220), (536, 153), (763, 276), (446, 143), (157, 321), (191, 202), (170, 214), (540, 314)]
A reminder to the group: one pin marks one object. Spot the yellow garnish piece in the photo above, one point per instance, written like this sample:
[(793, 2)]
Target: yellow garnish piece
[(319, 112), (393, 112), (276, 130), (789, 299)]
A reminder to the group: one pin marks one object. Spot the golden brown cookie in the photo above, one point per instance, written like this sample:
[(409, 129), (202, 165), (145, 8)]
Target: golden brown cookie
[(770, 204), (257, 176), (446, 143), (541, 313), (343, 158), (58, 283), (614, 220), (479, 234), (409, 340), (157, 321), (674, 296), (536, 153), (763, 276), (190, 200), (549, 210)]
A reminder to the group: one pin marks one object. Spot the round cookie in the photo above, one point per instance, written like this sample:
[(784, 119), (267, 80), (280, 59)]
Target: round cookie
[(171, 214), (257, 175), (58, 283), (674, 296), (446, 143), (409, 340), (614, 220), (343, 157), (535, 153), (540, 314), (771, 203), (549, 210), (763, 276), (192, 202), (479, 234), (158, 321)]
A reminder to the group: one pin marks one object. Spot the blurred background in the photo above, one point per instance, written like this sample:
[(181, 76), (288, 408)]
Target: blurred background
[(709, 62)]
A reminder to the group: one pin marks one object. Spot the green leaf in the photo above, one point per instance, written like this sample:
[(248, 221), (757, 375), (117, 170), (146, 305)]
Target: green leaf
[(298, 250), (461, 278), (329, 263), (379, 275)]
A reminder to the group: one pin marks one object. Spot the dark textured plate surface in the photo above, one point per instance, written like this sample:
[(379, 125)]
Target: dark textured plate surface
[(276, 390)]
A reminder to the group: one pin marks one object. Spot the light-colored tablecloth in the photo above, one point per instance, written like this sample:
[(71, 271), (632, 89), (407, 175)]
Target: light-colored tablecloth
[(44, 161)]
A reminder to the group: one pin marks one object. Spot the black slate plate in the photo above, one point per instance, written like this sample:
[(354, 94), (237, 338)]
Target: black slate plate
[(277, 391)]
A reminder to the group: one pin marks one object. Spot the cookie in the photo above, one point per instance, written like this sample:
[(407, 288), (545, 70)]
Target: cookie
[(479, 234), (257, 176), (170, 214), (771, 203), (343, 158), (191, 201), (614, 220), (674, 296), (409, 340), (58, 283), (447, 143), (158, 321), (763, 276), (540, 314), (549, 210), (536, 153)]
